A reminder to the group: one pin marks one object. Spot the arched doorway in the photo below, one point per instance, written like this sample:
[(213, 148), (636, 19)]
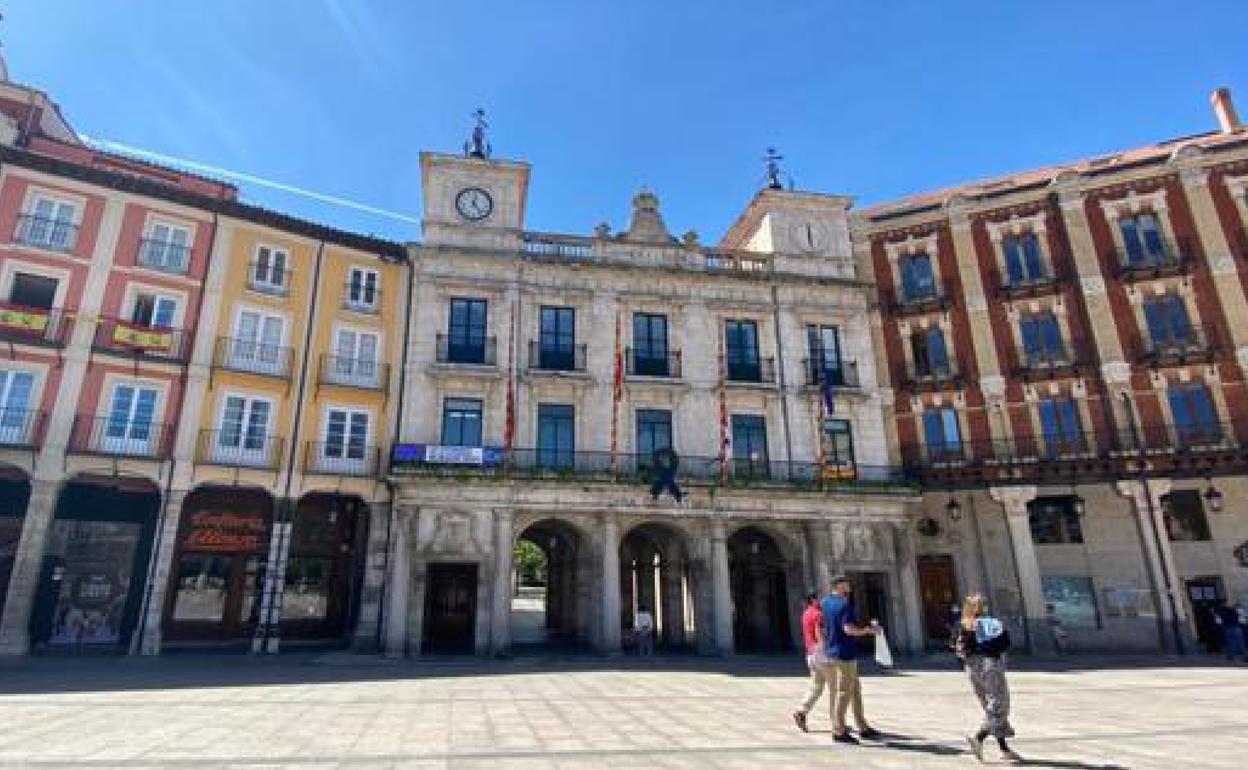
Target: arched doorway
[(324, 567), (760, 605), (94, 565), (14, 495), (552, 588), (656, 575)]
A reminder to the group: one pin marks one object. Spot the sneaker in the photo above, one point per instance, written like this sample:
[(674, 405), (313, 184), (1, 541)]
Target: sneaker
[(1010, 755), (870, 734), (977, 747), (845, 737), (800, 719)]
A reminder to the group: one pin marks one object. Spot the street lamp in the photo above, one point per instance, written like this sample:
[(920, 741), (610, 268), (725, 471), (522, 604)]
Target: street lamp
[(1213, 498), (954, 509)]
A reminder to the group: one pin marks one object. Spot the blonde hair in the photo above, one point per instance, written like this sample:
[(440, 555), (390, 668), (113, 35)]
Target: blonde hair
[(973, 607)]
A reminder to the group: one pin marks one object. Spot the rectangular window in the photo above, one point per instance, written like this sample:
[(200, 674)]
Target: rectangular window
[(466, 331), (940, 429), (257, 343), (1185, 516), (1073, 600), (654, 432), (1023, 262), (741, 347), (1042, 338), (346, 435), (128, 429), (50, 224), (166, 247), (1167, 320), (650, 345), (461, 422), (15, 415), (1059, 423), (1141, 237), (749, 445), (931, 355), (556, 436), (362, 288), (33, 291), (1195, 419), (1054, 520), (838, 443), (824, 346), (244, 430), (918, 282), (155, 310), (270, 271), (558, 338), (355, 357)]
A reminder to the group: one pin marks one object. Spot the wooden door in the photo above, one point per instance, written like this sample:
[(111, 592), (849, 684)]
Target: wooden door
[(939, 586), (450, 609)]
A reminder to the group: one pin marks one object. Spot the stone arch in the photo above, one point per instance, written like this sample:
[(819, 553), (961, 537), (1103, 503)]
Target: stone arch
[(760, 580), (324, 566), (14, 497), (660, 572), (559, 609)]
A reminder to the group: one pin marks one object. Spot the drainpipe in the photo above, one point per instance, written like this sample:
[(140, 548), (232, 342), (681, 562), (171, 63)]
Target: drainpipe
[(780, 380)]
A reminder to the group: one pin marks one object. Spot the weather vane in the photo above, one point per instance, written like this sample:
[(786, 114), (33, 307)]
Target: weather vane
[(477, 146), (773, 159)]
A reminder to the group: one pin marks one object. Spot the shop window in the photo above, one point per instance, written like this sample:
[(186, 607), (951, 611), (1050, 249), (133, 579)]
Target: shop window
[(203, 580), (305, 594), (1185, 516), (1055, 520), (1071, 601)]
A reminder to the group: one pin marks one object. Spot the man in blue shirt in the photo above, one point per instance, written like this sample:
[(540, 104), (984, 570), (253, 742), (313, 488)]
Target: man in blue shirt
[(841, 630)]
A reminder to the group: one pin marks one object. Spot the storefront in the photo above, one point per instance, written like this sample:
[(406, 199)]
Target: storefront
[(14, 495), (218, 573), (324, 567), (91, 580)]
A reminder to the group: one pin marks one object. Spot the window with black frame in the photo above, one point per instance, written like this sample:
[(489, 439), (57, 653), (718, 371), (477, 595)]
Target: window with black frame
[(461, 422), (654, 432), (824, 346), (466, 331), (1194, 415), (1024, 263), (1142, 238), (838, 446), (1184, 512), (1055, 520), (749, 445), (1169, 326), (741, 349), (556, 436), (930, 353), (650, 352), (557, 344), (918, 281), (1060, 426)]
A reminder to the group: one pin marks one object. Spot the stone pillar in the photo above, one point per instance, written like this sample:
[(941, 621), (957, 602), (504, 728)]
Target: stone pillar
[(500, 614), (721, 589), (1014, 500), (610, 545), (27, 566), (398, 588), (1088, 269), (1217, 254), (817, 550), (366, 637), (1158, 556), (911, 594), (672, 575), (162, 559)]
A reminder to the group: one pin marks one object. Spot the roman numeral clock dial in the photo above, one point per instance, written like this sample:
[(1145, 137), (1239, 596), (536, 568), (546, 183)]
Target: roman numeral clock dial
[(474, 204)]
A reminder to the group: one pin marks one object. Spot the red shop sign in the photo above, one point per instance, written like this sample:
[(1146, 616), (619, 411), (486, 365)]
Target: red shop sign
[(225, 532)]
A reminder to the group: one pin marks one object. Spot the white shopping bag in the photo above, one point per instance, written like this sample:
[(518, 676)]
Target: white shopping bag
[(883, 655)]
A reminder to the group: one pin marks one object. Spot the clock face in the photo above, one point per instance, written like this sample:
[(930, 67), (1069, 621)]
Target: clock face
[(474, 204)]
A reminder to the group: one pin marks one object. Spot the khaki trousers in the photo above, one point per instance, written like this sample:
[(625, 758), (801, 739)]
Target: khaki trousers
[(818, 679), (843, 676)]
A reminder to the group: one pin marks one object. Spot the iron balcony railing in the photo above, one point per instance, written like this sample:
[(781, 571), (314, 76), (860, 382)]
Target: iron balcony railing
[(556, 358), (455, 349), (361, 298), (164, 256), (267, 278), (755, 370), (838, 374), (120, 436), (1030, 285), (118, 336), (1195, 344), (932, 376), (1170, 258), (254, 357), (365, 373), (640, 363), (410, 459), (34, 325), (918, 300), (341, 458), (21, 428), (46, 233), (1045, 362), (240, 448)]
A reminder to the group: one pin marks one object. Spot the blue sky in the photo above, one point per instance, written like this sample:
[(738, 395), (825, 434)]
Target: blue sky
[(869, 98)]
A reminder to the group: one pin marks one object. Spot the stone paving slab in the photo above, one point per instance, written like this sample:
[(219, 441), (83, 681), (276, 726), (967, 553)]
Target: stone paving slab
[(367, 714)]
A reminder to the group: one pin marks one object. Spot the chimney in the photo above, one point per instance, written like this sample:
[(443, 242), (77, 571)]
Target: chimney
[(1224, 108)]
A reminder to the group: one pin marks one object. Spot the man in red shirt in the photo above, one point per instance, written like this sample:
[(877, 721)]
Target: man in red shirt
[(816, 660)]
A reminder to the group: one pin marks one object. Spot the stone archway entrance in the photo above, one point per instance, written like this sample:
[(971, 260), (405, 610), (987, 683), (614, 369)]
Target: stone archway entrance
[(759, 584), (552, 601), (656, 575)]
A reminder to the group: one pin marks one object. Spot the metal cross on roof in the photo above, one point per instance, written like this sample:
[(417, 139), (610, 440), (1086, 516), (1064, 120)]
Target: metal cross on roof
[(773, 159)]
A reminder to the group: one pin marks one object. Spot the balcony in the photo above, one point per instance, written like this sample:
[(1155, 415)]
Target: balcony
[(1030, 286), (760, 371), (364, 373), (844, 375), (253, 357), (1173, 258), (553, 465), (165, 256), (467, 352), (341, 459), (563, 358), (240, 448), (1045, 363), (662, 365), (34, 325), (933, 377), (919, 301), (46, 233), (119, 437), (114, 335), (266, 278), (21, 428), (360, 298), (1197, 345)]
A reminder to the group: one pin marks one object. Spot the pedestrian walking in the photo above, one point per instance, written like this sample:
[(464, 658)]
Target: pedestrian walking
[(1232, 625), (982, 642), (816, 660), (841, 632), (644, 624)]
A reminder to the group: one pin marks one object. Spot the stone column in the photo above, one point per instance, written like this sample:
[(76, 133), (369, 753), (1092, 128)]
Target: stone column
[(166, 544), (610, 545), (366, 636), (817, 550), (721, 589), (911, 594), (398, 588), (1014, 500), (1159, 557), (672, 575), (500, 615), (27, 566)]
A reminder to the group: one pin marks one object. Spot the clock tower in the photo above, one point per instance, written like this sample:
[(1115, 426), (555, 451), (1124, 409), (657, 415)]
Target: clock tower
[(473, 200)]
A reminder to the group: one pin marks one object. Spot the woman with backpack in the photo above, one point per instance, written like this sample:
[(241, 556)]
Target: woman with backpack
[(981, 642)]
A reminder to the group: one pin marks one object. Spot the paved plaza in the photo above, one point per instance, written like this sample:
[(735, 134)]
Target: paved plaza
[(341, 711)]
